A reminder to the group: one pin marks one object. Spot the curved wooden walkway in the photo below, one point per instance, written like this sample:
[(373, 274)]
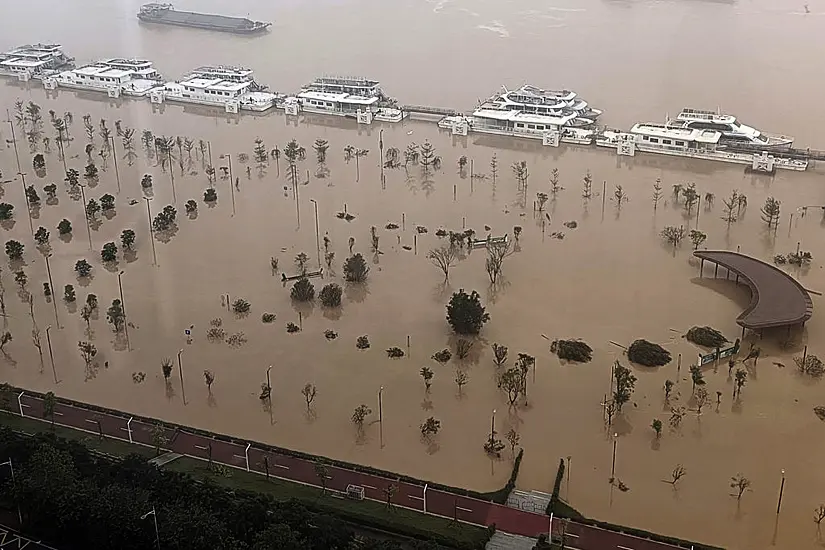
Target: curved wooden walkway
[(777, 299)]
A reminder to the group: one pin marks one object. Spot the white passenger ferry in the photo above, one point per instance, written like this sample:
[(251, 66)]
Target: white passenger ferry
[(733, 132), (692, 143), (551, 116), (232, 88), (34, 61), (355, 97), (116, 76)]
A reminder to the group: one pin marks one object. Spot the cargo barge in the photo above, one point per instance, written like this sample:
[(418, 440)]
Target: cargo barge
[(166, 14)]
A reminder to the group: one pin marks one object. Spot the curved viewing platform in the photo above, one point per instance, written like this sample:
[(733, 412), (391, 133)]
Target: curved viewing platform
[(777, 299)]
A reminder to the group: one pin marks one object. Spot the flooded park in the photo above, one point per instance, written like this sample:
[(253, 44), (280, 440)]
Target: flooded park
[(590, 264)]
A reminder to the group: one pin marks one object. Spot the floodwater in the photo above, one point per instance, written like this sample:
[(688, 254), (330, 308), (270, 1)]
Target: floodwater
[(610, 279)]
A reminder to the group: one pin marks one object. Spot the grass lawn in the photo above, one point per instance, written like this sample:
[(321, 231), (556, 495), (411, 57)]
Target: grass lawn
[(367, 513)]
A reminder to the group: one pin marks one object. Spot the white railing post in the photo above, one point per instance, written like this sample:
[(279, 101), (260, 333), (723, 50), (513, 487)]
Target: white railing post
[(20, 403), (129, 429), (425, 497), (246, 453)]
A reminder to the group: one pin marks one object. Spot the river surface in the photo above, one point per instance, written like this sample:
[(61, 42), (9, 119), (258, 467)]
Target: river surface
[(609, 279)]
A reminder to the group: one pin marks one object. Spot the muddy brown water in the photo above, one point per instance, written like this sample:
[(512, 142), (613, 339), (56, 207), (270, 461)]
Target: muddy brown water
[(608, 279)]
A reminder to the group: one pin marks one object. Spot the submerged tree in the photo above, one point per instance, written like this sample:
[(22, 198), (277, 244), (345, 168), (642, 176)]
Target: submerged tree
[(443, 257), (587, 185), (770, 212), (321, 146), (494, 168), (625, 383), (740, 484), (730, 210), (673, 235), (294, 153), (697, 238), (465, 313)]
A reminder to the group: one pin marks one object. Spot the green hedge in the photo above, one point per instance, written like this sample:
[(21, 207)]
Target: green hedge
[(499, 496)]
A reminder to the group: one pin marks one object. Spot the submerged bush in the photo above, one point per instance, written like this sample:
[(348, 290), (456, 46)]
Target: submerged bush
[(706, 336), (648, 354), (572, 350)]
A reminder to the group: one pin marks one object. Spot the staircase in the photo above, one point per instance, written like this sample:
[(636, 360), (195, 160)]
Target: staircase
[(529, 501)]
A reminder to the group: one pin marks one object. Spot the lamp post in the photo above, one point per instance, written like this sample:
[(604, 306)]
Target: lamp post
[(613, 467), (568, 477), (14, 485), (268, 385), (228, 157), (86, 215), (117, 171), (492, 428), (381, 415), (13, 140), (317, 237), (151, 231), (51, 284), (155, 518), (51, 354), (180, 371), (781, 490), (123, 307)]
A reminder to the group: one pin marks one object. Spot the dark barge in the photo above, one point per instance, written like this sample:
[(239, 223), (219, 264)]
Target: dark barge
[(166, 14)]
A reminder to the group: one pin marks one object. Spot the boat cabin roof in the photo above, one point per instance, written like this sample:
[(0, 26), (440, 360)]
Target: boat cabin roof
[(708, 116), (215, 84), (518, 116), (102, 70), (24, 62), (36, 50), (339, 97), (686, 134)]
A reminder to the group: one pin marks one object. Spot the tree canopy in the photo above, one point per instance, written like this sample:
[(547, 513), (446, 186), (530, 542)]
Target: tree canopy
[(465, 313)]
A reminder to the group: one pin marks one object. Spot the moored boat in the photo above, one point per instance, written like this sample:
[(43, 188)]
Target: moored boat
[(232, 88), (34, 61), (734, 133), (115, 76), (346, 96)]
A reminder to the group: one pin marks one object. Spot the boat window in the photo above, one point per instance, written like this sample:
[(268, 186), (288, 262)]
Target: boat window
[(654, 140), (531, 126), (666, 142), (680, 143), (645, 138)]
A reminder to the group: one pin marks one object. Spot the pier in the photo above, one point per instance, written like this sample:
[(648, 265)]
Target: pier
[(425, 110), (791, 153)]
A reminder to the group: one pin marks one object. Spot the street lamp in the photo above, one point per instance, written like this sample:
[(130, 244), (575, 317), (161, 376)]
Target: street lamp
[(268, 385), (51, 284), (51, 355), (492, 428), (781, 490), (86, 214), (613, 467), (568, 477), (155, 518), (14, 485), (114, 155), (231, 180), (381, 415), (180, 371), (317, 237), (26, 196), (123, 307), (151, 231)]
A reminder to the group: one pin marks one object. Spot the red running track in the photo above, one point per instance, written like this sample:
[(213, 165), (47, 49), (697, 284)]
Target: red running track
[(412, 496)]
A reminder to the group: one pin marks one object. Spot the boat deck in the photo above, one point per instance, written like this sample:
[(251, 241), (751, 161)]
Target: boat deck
[(202, 19)]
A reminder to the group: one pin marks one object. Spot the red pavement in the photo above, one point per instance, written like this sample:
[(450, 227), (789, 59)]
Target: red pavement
[(413, 496)]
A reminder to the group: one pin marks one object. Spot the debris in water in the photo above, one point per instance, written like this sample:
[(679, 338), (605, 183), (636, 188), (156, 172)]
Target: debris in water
[(292, 328), (571, 225), (406, 247), (706, 336), (648, 354), (420, 229), (395, 352), (820, 413), (572, 350), (391, 226), (440, 232), (330, 334)]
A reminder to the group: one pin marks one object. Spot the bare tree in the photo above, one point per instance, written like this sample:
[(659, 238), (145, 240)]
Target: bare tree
[(731, 208), (819, 515), (461, 379), (702, 399), (496, 253), (740, 484), (309, 391), (657, 193), (443, 257), (677, 474), (499, 355), (513, 439)]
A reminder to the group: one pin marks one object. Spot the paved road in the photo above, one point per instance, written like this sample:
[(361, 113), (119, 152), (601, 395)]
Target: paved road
[(412, 496)]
